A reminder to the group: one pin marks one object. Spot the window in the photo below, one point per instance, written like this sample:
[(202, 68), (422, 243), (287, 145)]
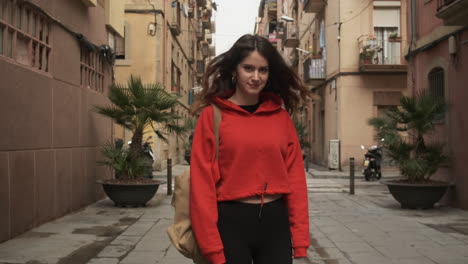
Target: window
[(120, 46), (314, 124), (386, 25), (92, 70), (190, 97), (24, 34), (437, 83), (175, 78)]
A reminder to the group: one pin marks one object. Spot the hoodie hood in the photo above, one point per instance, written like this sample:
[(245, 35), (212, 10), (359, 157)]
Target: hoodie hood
[(269, 102)]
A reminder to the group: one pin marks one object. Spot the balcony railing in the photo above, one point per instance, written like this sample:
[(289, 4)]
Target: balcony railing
[(208, 37), (200, 31), (175, 22), (453, 12), (314, 69), (212, 51), (272, 7), (290, 37), (313, 6), (205, 49), (382, 54), (200, 68)]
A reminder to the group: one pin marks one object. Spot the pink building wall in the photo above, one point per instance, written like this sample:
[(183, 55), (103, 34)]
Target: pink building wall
[(454, 130), (50, 136)]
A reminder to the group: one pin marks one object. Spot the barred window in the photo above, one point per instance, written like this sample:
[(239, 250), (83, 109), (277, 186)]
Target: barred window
[(437, 83), (92, 70), (24, 34)]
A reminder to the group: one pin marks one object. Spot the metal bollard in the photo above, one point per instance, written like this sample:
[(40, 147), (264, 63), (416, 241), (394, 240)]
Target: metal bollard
[(169, 176), (351, 175)]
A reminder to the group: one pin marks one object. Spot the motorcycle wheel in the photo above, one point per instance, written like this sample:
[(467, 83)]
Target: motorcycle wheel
[(367, 174), (378, 175)]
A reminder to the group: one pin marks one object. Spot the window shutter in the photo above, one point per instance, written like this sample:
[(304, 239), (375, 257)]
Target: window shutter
[(387, 17)]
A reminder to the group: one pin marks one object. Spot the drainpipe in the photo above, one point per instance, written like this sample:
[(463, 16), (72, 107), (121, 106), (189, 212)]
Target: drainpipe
[(414, 29), (339, 70), (164, 45), (413, 23)]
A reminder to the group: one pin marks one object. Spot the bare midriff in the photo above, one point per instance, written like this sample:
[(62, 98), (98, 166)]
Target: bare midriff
[(258, 199)]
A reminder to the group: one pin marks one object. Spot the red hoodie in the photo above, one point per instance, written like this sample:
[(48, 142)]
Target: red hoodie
[(255, 150)]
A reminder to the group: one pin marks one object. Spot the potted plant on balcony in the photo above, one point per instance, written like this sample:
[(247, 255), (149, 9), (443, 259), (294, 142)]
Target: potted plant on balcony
[(137, 108), (394, 37), (317, 54), (367, 53), (406, 129)]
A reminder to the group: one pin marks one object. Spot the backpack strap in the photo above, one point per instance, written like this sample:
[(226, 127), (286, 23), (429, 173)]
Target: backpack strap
[(217, 121)]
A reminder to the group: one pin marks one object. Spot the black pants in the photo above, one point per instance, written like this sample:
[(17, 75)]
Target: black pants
[(247, 237)]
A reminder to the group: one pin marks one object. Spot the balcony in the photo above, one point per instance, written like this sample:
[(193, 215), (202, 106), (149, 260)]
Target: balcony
[(313, 6), (290, 37), (206, 23), (205, 50), (191, 12), (213, 27), (208, 36), (212, 51), (453, 12), (381, 55), (175, 28), (201, 3), (314, 70), (272, 7), (175, 21), (200, 32), (200, 68)]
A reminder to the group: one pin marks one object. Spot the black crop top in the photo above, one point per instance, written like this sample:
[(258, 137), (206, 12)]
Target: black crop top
[(250, 108)]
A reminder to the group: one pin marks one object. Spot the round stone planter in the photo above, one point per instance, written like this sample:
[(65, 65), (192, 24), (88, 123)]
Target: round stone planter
[(130, 194), (416, 196)]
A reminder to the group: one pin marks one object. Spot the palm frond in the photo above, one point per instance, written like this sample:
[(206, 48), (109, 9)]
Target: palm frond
[(417, 116)]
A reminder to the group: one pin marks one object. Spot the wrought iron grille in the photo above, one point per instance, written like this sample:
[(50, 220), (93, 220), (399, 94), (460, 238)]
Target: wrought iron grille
[(443, 3)]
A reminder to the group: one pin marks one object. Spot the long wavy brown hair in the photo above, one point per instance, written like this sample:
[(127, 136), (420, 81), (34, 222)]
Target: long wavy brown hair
[(282, 80)]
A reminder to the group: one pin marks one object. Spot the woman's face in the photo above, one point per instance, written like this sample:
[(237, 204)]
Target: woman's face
[(252, 75)]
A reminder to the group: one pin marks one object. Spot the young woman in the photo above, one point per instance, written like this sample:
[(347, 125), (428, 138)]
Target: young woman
[(251, 203)]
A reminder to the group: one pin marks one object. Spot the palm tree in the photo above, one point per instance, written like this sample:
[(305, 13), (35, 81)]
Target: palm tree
[(404, 130), (139, 106), (301, 130)]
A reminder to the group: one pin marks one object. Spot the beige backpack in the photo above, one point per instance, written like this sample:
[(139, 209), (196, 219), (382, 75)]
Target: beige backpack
[(180, 232)]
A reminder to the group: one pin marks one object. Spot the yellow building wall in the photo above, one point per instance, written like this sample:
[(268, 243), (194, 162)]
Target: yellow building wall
[(114, 19), (151, 57)]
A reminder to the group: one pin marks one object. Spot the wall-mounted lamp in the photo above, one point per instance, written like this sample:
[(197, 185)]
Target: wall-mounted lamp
[(152, 29)]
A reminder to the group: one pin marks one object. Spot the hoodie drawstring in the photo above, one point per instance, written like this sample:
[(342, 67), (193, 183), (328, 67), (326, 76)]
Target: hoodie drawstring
[(263, 197)]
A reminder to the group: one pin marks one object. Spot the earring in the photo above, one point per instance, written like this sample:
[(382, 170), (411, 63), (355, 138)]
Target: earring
[(233, 79)]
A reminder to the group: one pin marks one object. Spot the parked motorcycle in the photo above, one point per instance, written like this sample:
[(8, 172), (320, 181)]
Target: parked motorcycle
[(148, 153), (372, 163)]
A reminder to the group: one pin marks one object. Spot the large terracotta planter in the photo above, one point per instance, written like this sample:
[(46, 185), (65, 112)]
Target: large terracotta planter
[(130, 194), (416, 196)]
